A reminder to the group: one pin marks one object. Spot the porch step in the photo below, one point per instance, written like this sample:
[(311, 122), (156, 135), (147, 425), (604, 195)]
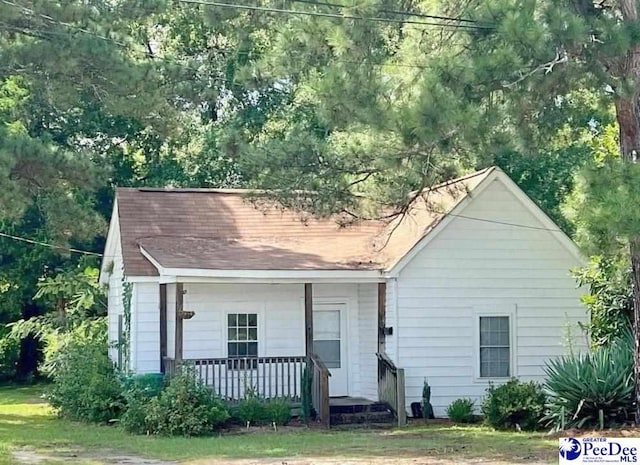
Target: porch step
[(357, 411)]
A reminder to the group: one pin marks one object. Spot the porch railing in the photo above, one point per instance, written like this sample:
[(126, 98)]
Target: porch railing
[(391, 387), (235, 378), (320, 389)]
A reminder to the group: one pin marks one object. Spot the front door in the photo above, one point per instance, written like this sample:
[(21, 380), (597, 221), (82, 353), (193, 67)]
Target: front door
[(330, 344)]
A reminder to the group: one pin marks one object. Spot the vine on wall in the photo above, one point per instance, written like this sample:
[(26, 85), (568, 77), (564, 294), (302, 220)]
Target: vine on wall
[(127, 293)]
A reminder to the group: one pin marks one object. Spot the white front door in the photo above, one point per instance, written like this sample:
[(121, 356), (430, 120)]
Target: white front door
[(330, 344)]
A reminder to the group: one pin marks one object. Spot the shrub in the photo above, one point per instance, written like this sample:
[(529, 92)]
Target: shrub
[(461, 410), (85, 383), (252, 410), (593, 389), (185, 408), (9, 355), (514, 405), (278, 411), (138, 393)]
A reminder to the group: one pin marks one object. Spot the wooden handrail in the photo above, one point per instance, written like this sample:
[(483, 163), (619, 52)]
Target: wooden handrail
[(320, 389), (391, 387), (233, 378)]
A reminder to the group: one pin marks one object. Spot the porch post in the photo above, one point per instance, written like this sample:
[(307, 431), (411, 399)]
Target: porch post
[(382, 315), (163, 326), (308, 318), (179, 321)]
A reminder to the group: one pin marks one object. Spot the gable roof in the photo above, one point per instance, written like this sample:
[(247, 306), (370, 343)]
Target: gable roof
[(221, 229)]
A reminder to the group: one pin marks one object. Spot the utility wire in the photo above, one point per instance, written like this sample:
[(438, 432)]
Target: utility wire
[(394, 12), (332, 15), (45, 244), (506, 223)]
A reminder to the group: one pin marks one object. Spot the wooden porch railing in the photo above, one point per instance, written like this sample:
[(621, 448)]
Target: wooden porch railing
[(234, 378), (320, 389), (391, 387)]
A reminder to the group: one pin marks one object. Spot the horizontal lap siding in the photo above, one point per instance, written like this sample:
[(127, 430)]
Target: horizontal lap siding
[(368, 325), (475, 265), (114, 301), (146, 327), (280, 309)]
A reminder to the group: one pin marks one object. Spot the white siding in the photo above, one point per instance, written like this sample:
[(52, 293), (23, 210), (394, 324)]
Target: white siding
[(368, 324), (280, 309), (145, 327), (114, 299), (473, 266)]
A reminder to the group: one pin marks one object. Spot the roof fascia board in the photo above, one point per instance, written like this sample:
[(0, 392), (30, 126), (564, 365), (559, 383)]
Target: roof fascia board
[(111, 246), (168, 275), (395, 269), (283, 280)]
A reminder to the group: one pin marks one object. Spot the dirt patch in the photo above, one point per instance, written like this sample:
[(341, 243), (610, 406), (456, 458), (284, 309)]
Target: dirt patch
[(32, 457)]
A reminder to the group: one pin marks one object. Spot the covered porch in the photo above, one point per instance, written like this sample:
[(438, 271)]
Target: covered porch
[(258, 338)]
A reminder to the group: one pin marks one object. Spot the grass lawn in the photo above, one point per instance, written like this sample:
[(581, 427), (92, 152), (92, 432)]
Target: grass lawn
[(26, 421)]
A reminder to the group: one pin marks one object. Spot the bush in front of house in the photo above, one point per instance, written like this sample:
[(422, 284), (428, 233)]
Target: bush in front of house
[(251, 410), (278, 411), (461, 410), (594, 389), (85, 383), (514, 404), (9, 355), (139, 391), (186, 407)]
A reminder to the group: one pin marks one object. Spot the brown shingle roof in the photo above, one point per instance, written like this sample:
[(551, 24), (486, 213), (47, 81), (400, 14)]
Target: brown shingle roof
[(221, 229)]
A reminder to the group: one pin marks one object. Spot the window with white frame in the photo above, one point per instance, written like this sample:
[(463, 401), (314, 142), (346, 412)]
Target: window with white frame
[(242, 338), (495, 347)]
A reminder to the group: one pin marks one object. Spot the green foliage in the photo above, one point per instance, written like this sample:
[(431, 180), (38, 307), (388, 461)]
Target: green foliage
[(461, 410), (185, 408), (251, 409), (278, 411), (609, 298), (305, 394), (604, 221), (593, 389), (85, 384), (9, 354), (139, 390), (514, 405)]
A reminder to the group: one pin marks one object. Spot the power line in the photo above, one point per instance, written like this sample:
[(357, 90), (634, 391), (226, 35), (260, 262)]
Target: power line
[(394, 12), (506, 223), (45, 244), (332, 15)]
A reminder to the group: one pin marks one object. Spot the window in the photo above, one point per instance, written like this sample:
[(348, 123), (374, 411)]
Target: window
[(242, 339), (495, 350)]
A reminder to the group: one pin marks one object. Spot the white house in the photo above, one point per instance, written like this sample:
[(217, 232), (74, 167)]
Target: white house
[(471, 286)]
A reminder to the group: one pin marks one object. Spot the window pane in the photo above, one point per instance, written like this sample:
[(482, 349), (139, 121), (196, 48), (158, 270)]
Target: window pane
[(494, 362), (232, 319), (253, 319), (326, 324), (494, 331), (232, 349), (252, 349), (242, 319), (329, 352), (253, 334), (232, 334), (242, 349), (242, 334)]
